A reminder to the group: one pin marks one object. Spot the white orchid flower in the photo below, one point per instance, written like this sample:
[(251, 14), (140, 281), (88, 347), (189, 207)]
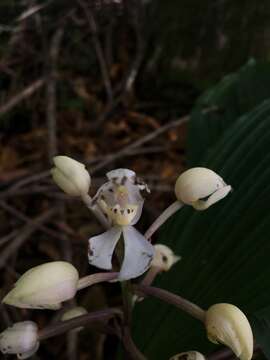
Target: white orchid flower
[(200, 187), (228, 325), (121, 201), (20, 339)]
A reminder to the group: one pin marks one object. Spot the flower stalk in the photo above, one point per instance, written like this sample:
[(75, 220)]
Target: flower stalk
[(83, 320), (167, 213), (170, 298), (90, 280)]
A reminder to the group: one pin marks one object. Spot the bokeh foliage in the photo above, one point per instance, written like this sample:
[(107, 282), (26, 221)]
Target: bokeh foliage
[(225, 249)]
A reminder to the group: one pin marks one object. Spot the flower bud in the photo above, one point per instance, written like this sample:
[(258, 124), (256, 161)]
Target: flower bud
[(21, 339), (164, 257), (44, 286), (71, 176), (72, 313), (188, 355), (200, 187), (226, 324)]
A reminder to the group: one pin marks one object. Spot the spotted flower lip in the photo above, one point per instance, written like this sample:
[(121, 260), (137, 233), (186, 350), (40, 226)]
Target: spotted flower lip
[(121, 201), (120, 197)]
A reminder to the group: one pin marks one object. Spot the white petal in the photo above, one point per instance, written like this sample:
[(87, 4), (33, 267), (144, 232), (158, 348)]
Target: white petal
[(215, 197), (101, 248), (138, 254), (119, 174)]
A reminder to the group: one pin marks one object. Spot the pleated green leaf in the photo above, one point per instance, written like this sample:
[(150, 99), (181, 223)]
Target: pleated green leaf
[(225, 250), (217, 109)]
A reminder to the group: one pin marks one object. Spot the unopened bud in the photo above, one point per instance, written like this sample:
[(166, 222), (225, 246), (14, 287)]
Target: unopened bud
[(20, 339), (72, 313), (45, 286), (188, 355), (226, 324), (201, 188), (164, 257), (71, 176)]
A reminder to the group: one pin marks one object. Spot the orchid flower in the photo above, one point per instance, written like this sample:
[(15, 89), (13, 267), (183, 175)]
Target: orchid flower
[(121, 201)]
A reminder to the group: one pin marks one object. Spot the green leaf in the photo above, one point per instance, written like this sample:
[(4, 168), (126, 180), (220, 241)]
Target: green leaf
[(234, 96), (225, 250)]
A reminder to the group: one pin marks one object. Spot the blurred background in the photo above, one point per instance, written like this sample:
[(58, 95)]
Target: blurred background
[(109, 83)]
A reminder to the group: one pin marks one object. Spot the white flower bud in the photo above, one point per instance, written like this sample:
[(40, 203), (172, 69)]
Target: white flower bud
[(164, 257), (45, 286), (226, 324), (201, 188), (72, 313), (21, 339), (188, 355), (71, 176)]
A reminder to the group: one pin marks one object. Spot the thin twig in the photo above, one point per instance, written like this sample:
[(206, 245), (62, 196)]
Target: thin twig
[(51, 92), (99, 51), (29, 221), (25, 233), (145, 139), (18, 98)]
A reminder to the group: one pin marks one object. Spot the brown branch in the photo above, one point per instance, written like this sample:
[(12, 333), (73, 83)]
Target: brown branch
[(26, 93), (51, 92), (99, 51), (25, 233), (145, 139)]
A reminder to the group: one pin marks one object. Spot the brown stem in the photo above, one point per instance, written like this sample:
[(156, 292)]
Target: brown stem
[(130, 347), (170, 298), (83, 320)]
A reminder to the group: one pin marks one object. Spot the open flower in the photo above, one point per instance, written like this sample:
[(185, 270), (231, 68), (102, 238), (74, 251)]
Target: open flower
[(71, 176), (188, 355), (45, 286), (226, 324), (200, 187), (121, 201), (20, 339)]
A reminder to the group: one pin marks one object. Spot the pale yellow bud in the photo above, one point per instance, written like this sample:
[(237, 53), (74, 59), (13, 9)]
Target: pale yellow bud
[(164, 257), (200, 187), (72, 313), (188, 355), (71, 176), (20, 339), (45, 286), (226, 324)]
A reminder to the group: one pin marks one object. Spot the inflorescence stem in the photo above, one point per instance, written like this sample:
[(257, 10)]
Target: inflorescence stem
[(163, 217), (170, 298), (83, 320), (90, 280)]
